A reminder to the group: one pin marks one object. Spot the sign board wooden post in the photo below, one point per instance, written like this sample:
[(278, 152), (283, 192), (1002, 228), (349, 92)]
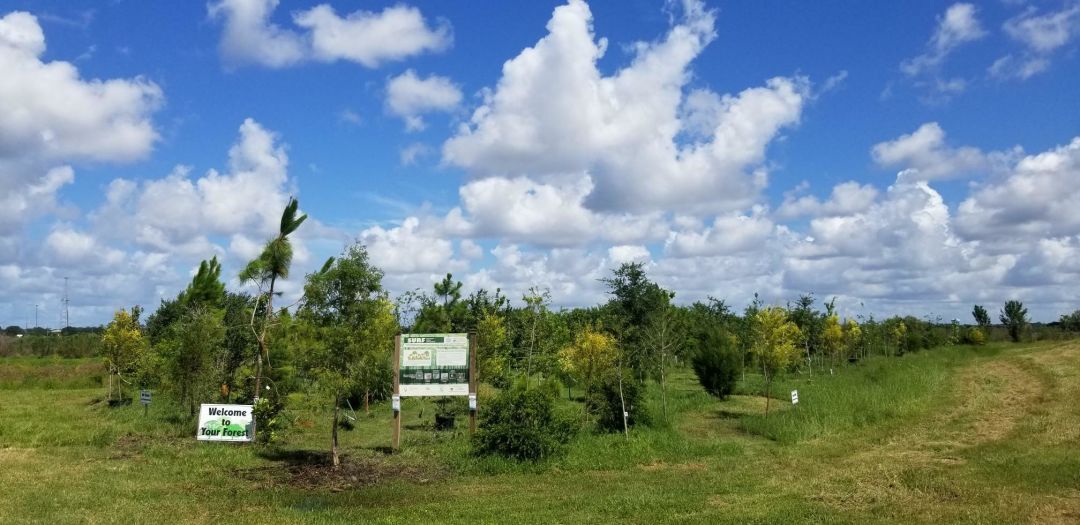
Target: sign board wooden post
[(472, 383), (396, 441)]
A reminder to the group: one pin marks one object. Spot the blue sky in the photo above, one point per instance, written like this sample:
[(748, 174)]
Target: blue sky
[(906, 157)]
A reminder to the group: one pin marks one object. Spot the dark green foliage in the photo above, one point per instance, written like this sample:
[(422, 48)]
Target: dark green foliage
[(206, 287), (702, 318), (1070, 322), (717, 363), (522, 423), (239, 340), (443, 312), (634, 301), (159, 322), (276, 257), (982, 317), (810, 321), (608, 405), (1014, 317)]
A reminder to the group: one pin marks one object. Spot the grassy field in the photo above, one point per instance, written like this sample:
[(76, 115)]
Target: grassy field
[(953, 435)]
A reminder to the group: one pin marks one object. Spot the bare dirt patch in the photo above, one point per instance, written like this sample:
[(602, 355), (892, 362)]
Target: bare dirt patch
[(679, 467), (310, 470)]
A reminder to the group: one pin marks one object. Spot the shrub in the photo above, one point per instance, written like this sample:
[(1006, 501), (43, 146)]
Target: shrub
[(521, 423), (608, 405), (717, 363), (974, 336)]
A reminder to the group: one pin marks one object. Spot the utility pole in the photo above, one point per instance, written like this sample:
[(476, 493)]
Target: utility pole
[(67, 302), (35, 317)]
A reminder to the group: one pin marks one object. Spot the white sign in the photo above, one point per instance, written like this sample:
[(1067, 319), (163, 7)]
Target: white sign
[(226, 423), (144, 397), (794, 397), (434, 365), (472, 402), (395, 403)]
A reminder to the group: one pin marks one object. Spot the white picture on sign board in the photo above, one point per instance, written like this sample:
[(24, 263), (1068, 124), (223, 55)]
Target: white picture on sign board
[(226, 423)]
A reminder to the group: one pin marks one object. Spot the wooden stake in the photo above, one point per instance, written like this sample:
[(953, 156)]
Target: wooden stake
[(473, 380), (395, 443)]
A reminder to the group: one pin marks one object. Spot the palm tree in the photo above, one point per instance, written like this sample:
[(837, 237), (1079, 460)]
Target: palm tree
[(272, 264)]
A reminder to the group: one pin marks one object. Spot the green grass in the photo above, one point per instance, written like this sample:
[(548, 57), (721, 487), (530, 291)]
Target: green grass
[(955, 435), (50, 372)]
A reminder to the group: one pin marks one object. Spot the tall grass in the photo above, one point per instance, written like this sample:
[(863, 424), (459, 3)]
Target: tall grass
[(50, 373), (877, 391)]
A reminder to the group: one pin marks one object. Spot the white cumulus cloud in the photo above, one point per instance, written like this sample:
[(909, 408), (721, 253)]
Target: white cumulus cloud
[(363, 37), (409, 96), (554, 113)]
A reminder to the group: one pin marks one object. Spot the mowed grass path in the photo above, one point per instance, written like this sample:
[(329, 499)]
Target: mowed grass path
[(956, 435)]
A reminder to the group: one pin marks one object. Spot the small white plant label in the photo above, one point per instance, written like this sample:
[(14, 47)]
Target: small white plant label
[(794, 397)]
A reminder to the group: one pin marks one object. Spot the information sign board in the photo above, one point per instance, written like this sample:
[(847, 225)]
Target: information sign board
[(434, 365)]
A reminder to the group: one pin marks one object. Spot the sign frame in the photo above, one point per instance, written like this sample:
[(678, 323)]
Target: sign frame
[(397, 393), (225, 425)]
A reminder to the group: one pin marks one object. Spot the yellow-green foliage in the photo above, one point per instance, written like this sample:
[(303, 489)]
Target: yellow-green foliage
[(898, 332), (852, 336), (490, 342), (975, 337), (590, 357), (123, 344), (774, 339), (833, 336)]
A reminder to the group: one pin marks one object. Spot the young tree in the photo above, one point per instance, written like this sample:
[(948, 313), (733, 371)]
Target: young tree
[(663, 338), (353, 323), (265, 270), (898, 333), (443, 312), (193, 355), (982, 317), (1070, 322), (536, 303), (634, 301), (852, 337), (206, 287), (590, 358), (717, 362), (1014, 317), (832, 337), (811, 324), (774, 344), (491, 348), (124, 344)]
